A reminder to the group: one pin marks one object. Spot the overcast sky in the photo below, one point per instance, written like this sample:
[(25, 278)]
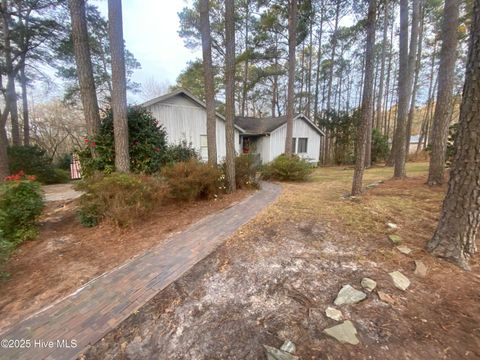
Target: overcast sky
[(151, 33)]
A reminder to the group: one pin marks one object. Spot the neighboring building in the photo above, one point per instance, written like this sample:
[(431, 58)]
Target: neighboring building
[(266, 137), (184, 118), (412, 148)]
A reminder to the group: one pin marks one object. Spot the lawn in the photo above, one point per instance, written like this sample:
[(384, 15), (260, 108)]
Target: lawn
[(273, 280)]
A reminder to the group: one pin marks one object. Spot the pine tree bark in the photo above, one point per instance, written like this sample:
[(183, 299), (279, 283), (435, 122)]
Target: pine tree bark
[(388, 94), (368, 145), (424, 132), (319, 64), (230, 93), (418, 63), (302, 78), (245, 69), (119, 86), (454, 238), (332, 57), (4, 168), (309, 74), (11, 95), (208, 78), (446, 76), (380, 99), (84, 66), (26, 114), (406, 65), (367, 101), (292, 43)]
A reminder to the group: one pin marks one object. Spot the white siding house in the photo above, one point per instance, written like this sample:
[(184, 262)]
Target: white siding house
[(184, 118), (266, 137)]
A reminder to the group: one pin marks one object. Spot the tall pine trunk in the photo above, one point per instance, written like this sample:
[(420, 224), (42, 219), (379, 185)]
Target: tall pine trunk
[(208, 78), (230, 93), (119, 86), (388, 94), (380, 98), (309, 74), (11, 95), (407, 60), (292, 43), (418, 63), (245, 69), (424, 132), (84, 66), (367, 101), (319, 64), (26, 115), (454, 238), (332, 57), (443, 108)]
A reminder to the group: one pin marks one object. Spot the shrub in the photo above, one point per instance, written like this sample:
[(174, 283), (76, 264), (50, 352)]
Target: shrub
[(380, 148), (287, 168), (193, 180), (6, 247), (33, 160), (20, 205), (180, 152), (63, 162), (246, 167), (147, 145), (119, 197)]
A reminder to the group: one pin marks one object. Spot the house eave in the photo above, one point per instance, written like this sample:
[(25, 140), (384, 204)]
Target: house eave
[(191, 97)]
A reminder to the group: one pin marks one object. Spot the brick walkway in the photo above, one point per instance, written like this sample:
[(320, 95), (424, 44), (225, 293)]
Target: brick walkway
[(90, 313)]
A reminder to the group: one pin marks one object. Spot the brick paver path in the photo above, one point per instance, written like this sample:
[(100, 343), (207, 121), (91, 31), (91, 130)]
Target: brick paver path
[(90, 313)]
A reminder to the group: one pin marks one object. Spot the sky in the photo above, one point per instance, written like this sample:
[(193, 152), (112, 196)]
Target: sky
[(150, 31)]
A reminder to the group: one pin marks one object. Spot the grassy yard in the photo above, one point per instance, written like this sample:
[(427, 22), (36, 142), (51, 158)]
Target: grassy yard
[(273, 281)]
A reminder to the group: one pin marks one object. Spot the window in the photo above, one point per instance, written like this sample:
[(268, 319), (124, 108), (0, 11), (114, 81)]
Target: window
[(294, 145), (203, 147), (302, 145), (203, 141)]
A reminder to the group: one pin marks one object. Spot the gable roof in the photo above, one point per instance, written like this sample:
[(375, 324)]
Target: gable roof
[(266, 125), (188, 95)]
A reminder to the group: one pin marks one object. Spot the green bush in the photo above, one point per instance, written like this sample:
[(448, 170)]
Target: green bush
[(120, 198), (193, 180), (20, 205), (180, 153), (380, 148), (33, 160), (147, 145), (287, 168), (6, 248), (246, 167), (63, 162)]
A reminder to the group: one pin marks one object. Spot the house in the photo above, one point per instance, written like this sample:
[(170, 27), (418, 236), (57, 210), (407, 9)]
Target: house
[(266, 137), (184, 118), (412, 147)]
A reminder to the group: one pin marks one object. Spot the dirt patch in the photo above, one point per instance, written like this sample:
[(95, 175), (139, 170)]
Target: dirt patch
[(274, 279), (66, 255), (60, 192)]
